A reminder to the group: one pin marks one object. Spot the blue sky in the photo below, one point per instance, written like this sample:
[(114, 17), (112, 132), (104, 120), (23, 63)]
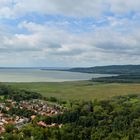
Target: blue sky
[(64, 33)]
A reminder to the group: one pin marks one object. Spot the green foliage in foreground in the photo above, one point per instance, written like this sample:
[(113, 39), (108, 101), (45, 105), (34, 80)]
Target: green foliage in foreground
[(115, 119)]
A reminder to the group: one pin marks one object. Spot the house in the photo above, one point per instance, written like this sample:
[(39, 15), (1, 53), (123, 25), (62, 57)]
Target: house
[(42, 124), (2, 130), (21, 122), (33, 117)]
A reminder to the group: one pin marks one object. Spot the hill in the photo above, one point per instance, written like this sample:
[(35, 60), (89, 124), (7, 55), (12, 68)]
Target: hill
[(113, 69)]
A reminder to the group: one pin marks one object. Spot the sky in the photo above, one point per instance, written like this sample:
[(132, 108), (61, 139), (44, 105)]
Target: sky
[(69, 33)]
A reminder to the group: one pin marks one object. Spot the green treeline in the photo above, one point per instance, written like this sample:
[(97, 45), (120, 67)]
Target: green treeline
[(125, 78), (16, 94)]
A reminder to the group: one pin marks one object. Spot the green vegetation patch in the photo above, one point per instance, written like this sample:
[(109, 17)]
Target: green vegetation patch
[(82, 90)]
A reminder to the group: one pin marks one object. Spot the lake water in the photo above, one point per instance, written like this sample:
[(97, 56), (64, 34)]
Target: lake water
[(37, 75)]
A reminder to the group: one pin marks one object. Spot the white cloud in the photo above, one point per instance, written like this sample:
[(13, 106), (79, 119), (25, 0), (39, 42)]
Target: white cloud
[(102, 45), (116, 42), (80, 8)]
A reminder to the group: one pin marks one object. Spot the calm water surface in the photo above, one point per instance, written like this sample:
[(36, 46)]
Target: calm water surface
[(37, 75)]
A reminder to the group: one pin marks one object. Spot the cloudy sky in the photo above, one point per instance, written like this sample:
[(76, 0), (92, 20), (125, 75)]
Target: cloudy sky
[(69, 32)]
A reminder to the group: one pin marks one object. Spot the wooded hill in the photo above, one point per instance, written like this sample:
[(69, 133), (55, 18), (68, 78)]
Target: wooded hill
[(113, 69)]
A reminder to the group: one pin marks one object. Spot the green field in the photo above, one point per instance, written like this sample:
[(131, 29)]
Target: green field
[(83, 90)]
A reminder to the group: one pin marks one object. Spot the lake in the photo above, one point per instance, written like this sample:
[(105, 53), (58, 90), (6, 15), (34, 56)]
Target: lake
[(37, 75)]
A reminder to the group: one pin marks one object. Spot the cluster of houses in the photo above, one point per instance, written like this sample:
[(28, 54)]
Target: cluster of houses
[(7, 119), (39, 107)]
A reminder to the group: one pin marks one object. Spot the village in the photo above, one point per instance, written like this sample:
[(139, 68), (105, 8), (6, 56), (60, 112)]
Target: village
[(29, 110)]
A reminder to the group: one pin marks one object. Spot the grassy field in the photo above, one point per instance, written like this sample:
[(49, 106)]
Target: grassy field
[(83, 90)]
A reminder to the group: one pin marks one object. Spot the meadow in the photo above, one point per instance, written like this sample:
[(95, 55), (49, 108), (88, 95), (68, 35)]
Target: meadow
[(80, 90)]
